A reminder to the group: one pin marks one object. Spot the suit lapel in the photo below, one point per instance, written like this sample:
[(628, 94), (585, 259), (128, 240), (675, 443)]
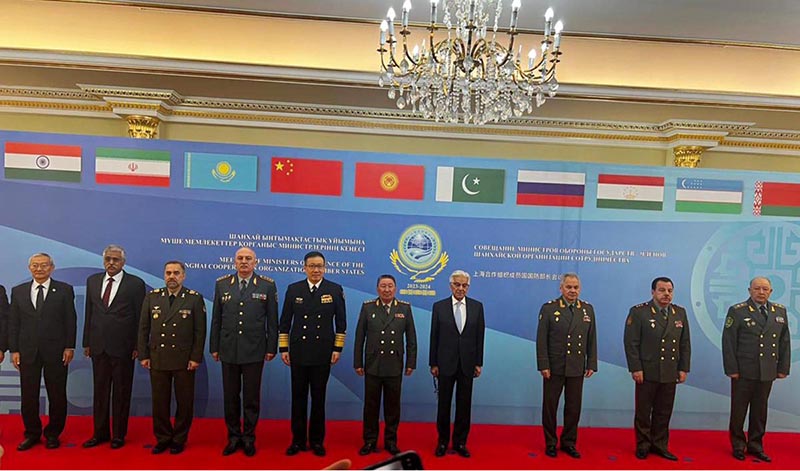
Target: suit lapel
[(28, 296)]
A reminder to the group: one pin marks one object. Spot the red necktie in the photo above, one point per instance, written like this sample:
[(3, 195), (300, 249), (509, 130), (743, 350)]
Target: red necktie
[(107, 293)]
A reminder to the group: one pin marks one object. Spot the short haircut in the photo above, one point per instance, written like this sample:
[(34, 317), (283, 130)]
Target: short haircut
[(313, 255), (175, 262), (114, 248), (660, 278), (41, 254), (760, 278), (569, 274), (247, 248), (386, 276), (459, 273)]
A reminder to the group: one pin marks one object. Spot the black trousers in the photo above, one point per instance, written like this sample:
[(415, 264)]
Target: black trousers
[(305, 379), (654, 403), (162, 383), (55, 381), (463, 386), (390, 386), (752, 394), (572, 386), (113, 382), (241, 387)]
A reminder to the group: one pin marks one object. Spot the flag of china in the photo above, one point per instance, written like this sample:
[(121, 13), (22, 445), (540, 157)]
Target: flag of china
[(402, 182), (306, 176)]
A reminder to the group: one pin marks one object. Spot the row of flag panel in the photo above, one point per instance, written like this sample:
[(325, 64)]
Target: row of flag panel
[(118, 166)]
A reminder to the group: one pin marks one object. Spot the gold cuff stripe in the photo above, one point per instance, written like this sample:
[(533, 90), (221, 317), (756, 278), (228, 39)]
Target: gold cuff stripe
[(339, 340), (283, 340)]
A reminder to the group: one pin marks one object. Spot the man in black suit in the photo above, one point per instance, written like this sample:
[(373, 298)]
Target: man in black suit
[(4, 308), (244, 334), (756, 350), (658, 352), (172, 333), (456, 358), (41, 337), (312, 331), (113, 305), (566, 351), (383, 323)]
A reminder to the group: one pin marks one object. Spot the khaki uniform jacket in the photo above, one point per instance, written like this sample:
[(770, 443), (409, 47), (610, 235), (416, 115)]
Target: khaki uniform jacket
[(566, 342)]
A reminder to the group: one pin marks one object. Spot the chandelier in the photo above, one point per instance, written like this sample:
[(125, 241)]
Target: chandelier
[(468, 75)]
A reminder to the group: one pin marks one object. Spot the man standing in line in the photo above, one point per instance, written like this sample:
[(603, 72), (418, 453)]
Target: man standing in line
[(4, 313), (456, 358), (244, 334), (41, 336), (658, 351), (111, 324), (756, 349), (382, 324), (172, 332), (566, 351), (312, 332)]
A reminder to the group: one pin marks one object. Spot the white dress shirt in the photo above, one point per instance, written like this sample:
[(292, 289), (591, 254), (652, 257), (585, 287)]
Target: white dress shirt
[(114, 286), (35, 291), (463, 310)]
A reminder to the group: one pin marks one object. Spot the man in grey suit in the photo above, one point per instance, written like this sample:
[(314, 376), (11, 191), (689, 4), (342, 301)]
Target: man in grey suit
[(244, 334), (382, 325)]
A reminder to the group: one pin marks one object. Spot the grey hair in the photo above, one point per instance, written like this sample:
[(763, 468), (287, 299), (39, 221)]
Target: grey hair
[(114, 248), (569, 274), (42, 254), (459, 273), (760, 278)]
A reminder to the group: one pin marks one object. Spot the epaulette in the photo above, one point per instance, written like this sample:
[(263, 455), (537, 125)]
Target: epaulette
[(266, 278), (370, 301), (642, 304), (403, 302), (779, 305), (193, 292), (678, 305), (224, 277), (737, 306), (552, 301), (582, 301), (157, 290)]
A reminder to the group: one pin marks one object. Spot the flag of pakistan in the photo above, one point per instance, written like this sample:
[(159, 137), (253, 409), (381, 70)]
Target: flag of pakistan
[(470, 185)]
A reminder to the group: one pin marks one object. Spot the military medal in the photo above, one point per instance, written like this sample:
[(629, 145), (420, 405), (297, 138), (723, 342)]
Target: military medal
[(557, 314), (155, 316)]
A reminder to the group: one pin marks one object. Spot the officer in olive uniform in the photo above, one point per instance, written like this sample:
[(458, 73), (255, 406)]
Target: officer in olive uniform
[(172, 332), (382, 324), (244, 334), (658, 350), (312, 331), (756, 350), (566, 351)]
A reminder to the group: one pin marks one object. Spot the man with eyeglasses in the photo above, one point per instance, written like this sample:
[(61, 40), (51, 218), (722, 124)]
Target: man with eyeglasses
[(312, 332), (41, 336), (756, 350), (111, 324), (456, 358)]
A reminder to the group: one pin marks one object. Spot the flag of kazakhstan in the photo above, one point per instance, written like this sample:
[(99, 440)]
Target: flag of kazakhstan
[(221, 171)]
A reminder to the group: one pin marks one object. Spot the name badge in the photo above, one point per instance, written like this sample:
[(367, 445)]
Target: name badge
[(399, 315), (326, 299), (259, 296), (298, 300)]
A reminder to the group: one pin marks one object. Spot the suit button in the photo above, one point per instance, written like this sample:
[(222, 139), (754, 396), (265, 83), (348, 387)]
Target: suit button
[(761, 354), (163, 335), (317, 337), (305, 317), (662, 340), (304, 337), (673, 358), (392, 332), (662, 358), (163, 325), (173, 346), (773, 345), (579, 335), (382, 332), (241, 303), (305, 327), (382, 342), (673, 349), (174, 325), (317, 327), (774, 335), (762, 335), (173, 335), (761, 345), (569, 336), (392, 341), (579, 344), (674, 341), (568, 352), (319, 317), (381, 352), (579, 352), (773, 353), (662, 349), (240, 332), (162, 345), (241, 313), (391, 352)]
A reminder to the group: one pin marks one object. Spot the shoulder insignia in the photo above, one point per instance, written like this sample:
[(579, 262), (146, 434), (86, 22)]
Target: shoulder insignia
[(779, 305), (728, 322), (642, 304), (399, 301), (678, 306), (582, 301), (629, 321), (157, 290), (737, 306), (370, 301), (224, 277), (193, 292), (552, 301), (266, 278)]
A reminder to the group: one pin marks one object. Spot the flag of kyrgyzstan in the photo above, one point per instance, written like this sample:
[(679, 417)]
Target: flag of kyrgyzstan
[(380, 180), (306, 176)]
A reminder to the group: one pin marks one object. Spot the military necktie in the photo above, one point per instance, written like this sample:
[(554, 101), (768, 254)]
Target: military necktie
[(171, 299), (459, 323), (40, 298), (313, 289), (664, 313), (107, 293), (243, 287), (764, 313), (387, 307)]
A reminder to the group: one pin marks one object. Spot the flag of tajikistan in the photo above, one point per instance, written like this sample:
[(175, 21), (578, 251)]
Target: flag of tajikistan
[(25, 161), (630, 192), (470, 185)]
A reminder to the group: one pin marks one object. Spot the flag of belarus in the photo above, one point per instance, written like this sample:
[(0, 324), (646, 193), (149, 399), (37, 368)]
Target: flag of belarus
[(48, 162), (470, 185), (132, 167)]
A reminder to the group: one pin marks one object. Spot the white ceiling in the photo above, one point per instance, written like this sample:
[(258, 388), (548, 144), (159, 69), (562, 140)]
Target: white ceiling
[(749, 21)]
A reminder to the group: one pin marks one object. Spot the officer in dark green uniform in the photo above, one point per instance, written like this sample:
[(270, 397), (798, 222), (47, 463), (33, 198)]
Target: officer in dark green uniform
[(658, 350), (244, 334), (172, 333), (382, 325), (566, 351), (756, 349), (312, 331)]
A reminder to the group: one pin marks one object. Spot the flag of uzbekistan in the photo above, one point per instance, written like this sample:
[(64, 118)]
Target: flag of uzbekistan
[(48, 162), (132, 167), (699, 195), (777, 199), (630, 192), (550, 188)]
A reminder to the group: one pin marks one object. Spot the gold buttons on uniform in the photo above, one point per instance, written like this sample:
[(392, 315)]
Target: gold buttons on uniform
[(162, 345), (240, 332), (382, 342), (382, 332), (304, 337)]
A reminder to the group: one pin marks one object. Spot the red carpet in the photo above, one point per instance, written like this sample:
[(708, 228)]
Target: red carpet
[(492, 447)]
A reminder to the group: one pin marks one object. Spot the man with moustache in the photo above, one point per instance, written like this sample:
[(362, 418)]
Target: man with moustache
[(756, 350), (456, 358), (312, 332), (244, 334), (172, 332), (658, 351), (41, 336), (566, 351), (113, 305), (382, 325)]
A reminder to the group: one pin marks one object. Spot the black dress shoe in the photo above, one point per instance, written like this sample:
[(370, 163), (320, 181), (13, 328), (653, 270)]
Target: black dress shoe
[(641, 454), (230, 448), (440, 450), (550, 451), (52, 443), (295, 449), (571, 451), (392, 449), (92, 442), (249, 449), (738, 454), (176, 448), (366, 449), (159, 448), (27, 444), (761, 456), (318, 449), (117, 443), (462, 450), (665, 454)]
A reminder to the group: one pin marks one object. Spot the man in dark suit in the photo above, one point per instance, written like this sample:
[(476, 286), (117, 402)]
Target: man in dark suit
[(41, 336), (566, 351), (113, 304), (4, 313), (658, 351), (312, 331), (244, 334), (172, 332), (756, 350), (382, 324), (456, 358)]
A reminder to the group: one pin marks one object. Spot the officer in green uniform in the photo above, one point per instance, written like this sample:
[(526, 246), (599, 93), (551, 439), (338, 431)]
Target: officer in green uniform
[(172, 333), (658, 351), (566, 351), (383, 323), (756, 350), (244, 334)]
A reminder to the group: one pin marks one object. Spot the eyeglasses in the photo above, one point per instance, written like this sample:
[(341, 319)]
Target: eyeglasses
[(37, 266), (460, 285), (315, 266)]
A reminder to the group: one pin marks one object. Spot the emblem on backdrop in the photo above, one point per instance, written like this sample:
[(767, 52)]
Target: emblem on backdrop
[(420, 257)]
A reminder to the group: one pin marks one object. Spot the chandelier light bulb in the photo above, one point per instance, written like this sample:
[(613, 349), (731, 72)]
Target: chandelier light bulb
[(515, 5), (391, 14), (531, 58), (407, 5), (384, 28), (548, 15), (559, 27)]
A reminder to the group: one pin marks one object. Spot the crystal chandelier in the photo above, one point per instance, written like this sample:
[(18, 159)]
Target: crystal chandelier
[(468, 75)]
